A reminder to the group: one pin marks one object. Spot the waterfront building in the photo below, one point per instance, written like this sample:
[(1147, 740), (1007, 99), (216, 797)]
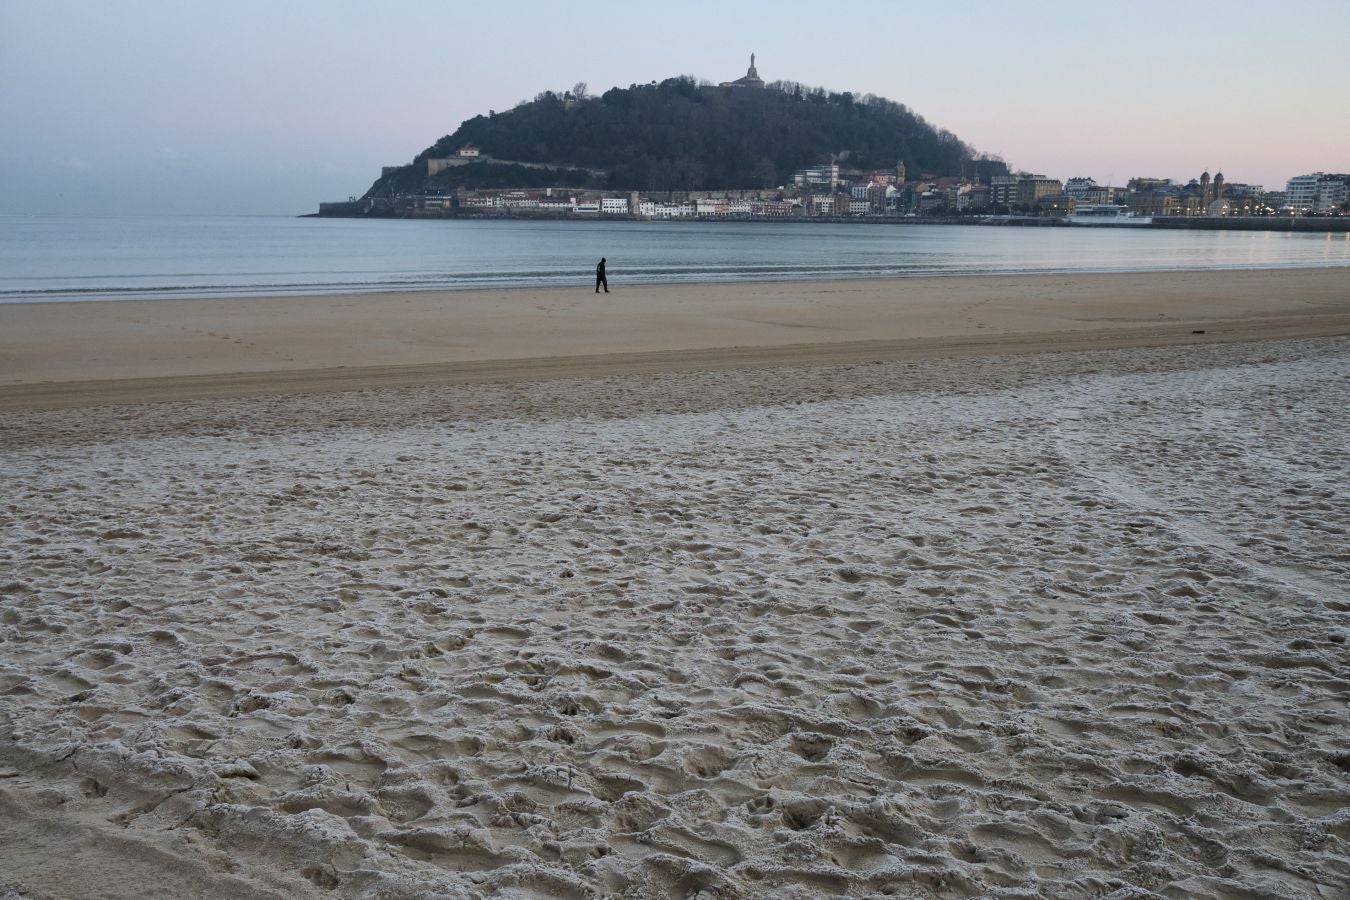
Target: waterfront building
[(614, 206), (1191, 203), (1136, 185), (1275, 200), (953, 197), (556, 204), (1316, 193), (1079, 186), (876, 197), (1003, 190), (1087, 190), (775, 209), (928, 201), (1157, 200), (1056, 205), (1031, 188), (1332, 194), (518, 200), (892, 198), (1244, 199), (1301, 192), (818, 177)]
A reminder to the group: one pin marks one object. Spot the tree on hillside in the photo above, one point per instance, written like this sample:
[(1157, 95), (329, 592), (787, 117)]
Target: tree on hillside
[(681, 134)]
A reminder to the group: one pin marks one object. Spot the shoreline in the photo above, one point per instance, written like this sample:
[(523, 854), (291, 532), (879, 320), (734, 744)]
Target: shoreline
[(128, 350), (171, 293), (1308, 224)]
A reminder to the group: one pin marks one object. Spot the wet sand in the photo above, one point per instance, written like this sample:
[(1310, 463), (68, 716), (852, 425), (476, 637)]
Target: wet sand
[(56, 354)]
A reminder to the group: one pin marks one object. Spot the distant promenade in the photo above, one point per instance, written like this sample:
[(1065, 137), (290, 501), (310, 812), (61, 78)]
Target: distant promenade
[(1310, 224)]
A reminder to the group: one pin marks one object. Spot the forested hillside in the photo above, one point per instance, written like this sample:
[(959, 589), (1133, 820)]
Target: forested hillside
[(682, 135)]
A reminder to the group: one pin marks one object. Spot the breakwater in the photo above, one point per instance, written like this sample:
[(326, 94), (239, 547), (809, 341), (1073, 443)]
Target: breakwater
[(1255, 223)]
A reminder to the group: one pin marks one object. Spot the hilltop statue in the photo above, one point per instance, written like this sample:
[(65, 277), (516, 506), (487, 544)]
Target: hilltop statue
[(751, 79)]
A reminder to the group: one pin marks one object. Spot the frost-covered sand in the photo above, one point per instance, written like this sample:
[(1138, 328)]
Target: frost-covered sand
[(1060, 625)]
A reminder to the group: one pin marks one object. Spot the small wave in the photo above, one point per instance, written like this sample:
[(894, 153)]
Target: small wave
[(92, 288)]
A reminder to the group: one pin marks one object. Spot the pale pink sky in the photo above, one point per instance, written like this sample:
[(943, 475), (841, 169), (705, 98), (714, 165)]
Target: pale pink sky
[(253, 106)]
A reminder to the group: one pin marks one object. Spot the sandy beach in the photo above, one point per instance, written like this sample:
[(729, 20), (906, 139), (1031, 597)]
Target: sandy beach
[(104, 352), (958, 587)]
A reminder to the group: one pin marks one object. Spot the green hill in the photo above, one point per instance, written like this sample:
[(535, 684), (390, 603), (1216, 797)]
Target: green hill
[(680, 135)]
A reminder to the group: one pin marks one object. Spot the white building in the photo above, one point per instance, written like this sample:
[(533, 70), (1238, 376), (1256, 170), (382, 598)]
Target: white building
[(614, 206), (1332, 194), (1301, 192), (519, 200), (1317, 193), (1075, 186), (820, 176), (1087, 190)]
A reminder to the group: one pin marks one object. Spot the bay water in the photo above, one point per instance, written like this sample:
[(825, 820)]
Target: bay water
[(84, 258)]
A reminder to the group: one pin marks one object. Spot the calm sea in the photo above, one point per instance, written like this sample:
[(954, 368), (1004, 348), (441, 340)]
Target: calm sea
[(72, 258)]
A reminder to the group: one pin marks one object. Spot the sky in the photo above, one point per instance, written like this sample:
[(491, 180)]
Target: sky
[(271, 106)]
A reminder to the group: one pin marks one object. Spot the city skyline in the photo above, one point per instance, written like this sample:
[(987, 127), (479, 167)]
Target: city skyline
[(153, 107)]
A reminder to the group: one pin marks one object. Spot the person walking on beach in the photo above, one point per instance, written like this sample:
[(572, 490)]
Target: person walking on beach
[(600, 278)]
